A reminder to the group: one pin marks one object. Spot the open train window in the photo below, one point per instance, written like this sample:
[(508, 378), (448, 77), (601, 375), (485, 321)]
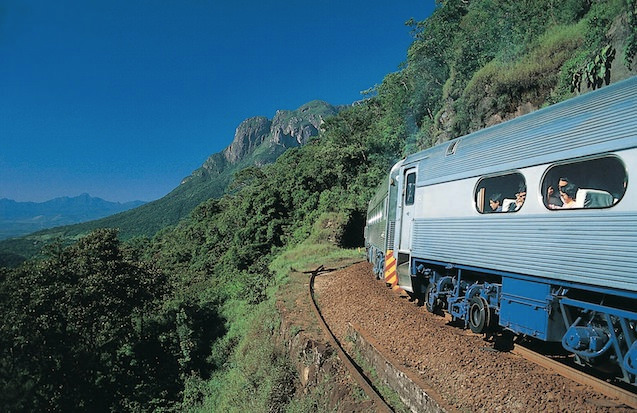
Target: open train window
[(585, 184), (502, 193)]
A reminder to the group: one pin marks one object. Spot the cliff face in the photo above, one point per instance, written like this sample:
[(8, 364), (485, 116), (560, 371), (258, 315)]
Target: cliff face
[(259, 140), (250, 134), (295, 128), (289, 130)]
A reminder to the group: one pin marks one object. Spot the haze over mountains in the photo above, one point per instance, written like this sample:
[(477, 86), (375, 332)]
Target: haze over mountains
[(257, 141), (20, 218)]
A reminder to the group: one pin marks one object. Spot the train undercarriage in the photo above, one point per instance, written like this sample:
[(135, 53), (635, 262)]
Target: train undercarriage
[(599, 329)]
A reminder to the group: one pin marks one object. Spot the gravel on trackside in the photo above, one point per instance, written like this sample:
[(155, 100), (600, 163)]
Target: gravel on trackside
[(464, 368)]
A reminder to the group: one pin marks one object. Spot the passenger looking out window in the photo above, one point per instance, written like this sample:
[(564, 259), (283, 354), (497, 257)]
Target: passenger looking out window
[(568, 193), (520, 197), (553, 198), (502, 193), (495, 202), (588, 184)]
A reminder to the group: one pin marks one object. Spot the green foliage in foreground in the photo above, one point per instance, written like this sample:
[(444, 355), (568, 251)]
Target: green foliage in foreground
[(92, 328), (257, 375), (475, 62), (184, 321)]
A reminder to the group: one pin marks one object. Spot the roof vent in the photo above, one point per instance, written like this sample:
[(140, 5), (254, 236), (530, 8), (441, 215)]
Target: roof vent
[(451, 149)]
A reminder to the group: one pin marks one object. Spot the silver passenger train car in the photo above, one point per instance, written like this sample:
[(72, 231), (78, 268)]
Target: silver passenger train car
[(528, 226)]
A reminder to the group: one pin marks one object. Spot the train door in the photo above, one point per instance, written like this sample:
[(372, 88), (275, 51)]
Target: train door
[(406, 224), (408, 201)]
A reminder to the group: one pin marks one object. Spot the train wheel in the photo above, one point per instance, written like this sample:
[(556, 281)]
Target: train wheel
[(479, 315), (431, 304)]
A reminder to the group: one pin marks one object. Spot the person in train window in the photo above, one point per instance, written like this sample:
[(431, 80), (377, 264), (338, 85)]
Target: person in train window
[(562, 183), (568, 193), (495, 202), (520, 197), (553, 199)]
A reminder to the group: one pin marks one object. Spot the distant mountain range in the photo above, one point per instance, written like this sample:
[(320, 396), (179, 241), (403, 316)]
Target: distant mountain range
[(21, 218), (257, 141)]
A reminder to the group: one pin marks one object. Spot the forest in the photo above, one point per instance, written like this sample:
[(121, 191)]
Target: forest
[(184, 320)]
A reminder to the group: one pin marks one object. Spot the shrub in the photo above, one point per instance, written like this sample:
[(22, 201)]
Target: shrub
[(500, 88)]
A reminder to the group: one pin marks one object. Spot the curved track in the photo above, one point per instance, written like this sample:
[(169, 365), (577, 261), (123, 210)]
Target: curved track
[(609, 396), (351, 366)]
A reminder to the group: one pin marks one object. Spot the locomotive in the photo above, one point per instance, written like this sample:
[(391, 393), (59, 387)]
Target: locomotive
[(528, 226)]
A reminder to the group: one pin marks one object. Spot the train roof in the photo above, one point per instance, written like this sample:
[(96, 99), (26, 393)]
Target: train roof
[(600, 121), (380, 193)]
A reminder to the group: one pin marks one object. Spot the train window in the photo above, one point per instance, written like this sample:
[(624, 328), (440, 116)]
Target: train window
[(502, 193), (410, 190), (585, 184)]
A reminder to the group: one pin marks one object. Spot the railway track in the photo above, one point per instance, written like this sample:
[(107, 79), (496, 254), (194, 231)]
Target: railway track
[(354, 370), (610, 396), (623, 396), (610, 390)]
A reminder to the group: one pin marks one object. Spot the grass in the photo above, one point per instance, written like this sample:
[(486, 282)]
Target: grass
[(500, 87), (317, 400), (308, 256), (255, 374)]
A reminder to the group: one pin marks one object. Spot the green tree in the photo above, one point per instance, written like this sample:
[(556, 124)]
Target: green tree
[(79, 332)]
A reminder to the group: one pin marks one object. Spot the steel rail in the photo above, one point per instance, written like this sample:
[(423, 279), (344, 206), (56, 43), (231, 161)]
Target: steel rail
[(623, 396), (351, 366)]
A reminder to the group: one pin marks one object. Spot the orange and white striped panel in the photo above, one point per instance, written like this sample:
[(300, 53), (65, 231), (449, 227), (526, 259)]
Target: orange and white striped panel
[(391, 276)]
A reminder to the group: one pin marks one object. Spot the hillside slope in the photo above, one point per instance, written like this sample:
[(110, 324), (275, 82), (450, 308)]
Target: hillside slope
[(257, 141)]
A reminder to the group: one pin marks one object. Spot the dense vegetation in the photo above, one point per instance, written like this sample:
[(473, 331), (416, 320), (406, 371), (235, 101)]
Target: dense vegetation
[(183, 321)]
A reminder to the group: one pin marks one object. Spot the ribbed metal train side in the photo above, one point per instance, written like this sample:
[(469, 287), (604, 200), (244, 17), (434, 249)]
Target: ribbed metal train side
[(593, 247), (596, 122), (377, 218), (531, 226), (597, 250), (376, 228)]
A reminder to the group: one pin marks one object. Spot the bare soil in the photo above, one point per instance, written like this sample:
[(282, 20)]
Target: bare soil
[(462, 368)]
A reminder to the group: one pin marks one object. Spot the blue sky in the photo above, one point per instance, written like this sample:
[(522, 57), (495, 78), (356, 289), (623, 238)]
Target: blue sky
[(123, 99)]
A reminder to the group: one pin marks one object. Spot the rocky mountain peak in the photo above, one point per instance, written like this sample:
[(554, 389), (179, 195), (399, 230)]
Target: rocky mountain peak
[(294, 128), (289, 128), (248, 135)]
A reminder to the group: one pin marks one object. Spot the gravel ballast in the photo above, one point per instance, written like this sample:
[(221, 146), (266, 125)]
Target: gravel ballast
[(463, 368)]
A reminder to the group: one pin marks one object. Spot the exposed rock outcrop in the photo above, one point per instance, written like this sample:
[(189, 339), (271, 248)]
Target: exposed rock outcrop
[(259, 140), (250, 134), (294, 128)]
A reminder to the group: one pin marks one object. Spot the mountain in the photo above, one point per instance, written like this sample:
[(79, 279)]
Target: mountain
[(257, 141), (20, 218)]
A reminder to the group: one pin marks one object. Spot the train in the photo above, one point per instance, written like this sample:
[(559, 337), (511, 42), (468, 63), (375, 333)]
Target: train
[(527, 227)]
